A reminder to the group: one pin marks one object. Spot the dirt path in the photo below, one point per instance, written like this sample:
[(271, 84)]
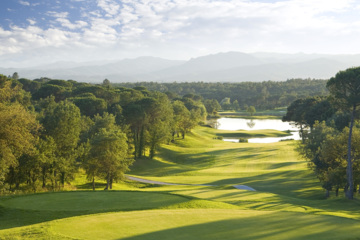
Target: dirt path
[(241, 187)]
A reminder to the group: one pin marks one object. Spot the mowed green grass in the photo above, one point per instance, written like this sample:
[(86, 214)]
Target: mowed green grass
[(288, 204), (17, 211), (199, 159), (265, 114), (92, 201), (205, 224), (192, 224), (249, 134)]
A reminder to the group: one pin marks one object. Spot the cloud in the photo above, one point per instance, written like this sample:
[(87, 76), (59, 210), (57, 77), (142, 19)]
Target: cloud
[(111, 7), (4, 33), (101, 31), (187, 28), (57, 14), (24, 3), (72, 26), (31, 21), (22, 40)]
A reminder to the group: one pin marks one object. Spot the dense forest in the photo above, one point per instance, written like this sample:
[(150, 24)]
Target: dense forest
[(261, 95)]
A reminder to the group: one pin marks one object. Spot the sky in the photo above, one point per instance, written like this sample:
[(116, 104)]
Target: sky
[(35, 32)]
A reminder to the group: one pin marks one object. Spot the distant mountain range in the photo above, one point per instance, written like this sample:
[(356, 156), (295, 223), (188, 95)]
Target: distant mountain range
[(221, 67)]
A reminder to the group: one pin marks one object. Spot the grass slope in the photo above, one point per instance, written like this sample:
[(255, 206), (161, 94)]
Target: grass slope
[(248, 134), (288, 203), (262, 114), (206, 224)]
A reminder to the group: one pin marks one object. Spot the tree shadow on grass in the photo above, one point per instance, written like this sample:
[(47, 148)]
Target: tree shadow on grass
[(172, 162), (89, 185), (272, 225), (23, 214), (181, 163), (11, 218), (288, 183), (296, 191), (251, 134)]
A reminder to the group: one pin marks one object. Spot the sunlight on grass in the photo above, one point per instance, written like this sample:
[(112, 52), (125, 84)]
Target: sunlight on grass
[(92, 201), (288, 202), (249, 134), (282, 179), (202, 224)]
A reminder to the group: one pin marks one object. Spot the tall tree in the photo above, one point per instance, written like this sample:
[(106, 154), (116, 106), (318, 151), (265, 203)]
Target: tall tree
[(101, 123), (317, 109), (109, 155), (225, 103), (235, 105), (106, 83), (160, 122), (251, 110), (196, 107), (212, 106), (15, 76), (17, 135), (18, 127), (296, 113), (150, 120), (182, 119), (62, 122), (320, 138), (46, 157), (345, 88)]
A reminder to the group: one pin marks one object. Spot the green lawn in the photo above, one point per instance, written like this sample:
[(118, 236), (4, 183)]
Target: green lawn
[(248, 134), (260, 114), (205, 224), (288, 204)]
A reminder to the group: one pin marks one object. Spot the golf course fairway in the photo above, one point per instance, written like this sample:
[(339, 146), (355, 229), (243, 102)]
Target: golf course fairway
[(288, 203)]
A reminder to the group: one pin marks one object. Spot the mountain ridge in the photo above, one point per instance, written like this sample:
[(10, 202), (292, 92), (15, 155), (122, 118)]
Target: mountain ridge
[(219, 67)]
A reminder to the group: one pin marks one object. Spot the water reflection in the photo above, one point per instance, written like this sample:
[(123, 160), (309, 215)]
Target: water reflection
[(251, 124), (259, 124), (214, 123)]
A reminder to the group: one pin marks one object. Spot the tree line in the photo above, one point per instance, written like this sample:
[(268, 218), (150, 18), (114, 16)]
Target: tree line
[(236, 96), (330, 131), (49, 129)]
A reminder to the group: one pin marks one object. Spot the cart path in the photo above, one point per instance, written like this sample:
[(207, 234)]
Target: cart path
[(241, 187)]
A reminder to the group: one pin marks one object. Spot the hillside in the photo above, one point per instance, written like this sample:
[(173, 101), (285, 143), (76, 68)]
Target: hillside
[(220, 67)]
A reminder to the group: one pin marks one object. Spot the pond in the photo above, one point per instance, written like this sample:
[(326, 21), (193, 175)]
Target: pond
[(258, 124)]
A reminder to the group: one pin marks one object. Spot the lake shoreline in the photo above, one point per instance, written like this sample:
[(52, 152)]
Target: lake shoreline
[(255, 130)]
